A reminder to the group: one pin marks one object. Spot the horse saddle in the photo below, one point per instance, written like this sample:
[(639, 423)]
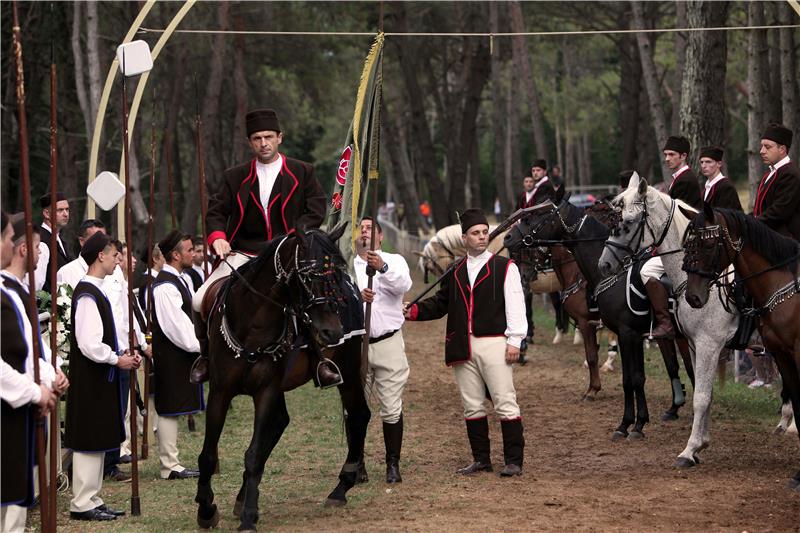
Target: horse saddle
[(635, 293)]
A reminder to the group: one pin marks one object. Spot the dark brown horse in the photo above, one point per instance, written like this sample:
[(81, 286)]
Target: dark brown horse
[(289, 297), (767, 264)]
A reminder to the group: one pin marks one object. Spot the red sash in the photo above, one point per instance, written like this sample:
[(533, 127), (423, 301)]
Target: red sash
[(758, 207)]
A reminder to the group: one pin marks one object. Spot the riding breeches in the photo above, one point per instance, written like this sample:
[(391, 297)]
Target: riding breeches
[(387, 375), (235, 260), (487, 369), (652, 269)]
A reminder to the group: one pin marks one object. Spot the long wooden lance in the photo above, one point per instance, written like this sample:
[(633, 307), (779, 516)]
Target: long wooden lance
[(201, 177), (168, 159), (148, 297), (33, 315), (55, 427), (136, 508)]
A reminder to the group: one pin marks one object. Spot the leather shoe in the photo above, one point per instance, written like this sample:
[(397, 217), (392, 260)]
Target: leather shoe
[(184, 474), (93, 514), (108, 510), (475, 467), (125, 459), (511, 470), (118, 475), (327, 377), (199, 371), (393, 473)]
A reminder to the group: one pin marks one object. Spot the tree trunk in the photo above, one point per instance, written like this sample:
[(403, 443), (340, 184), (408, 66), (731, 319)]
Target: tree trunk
[(240, 89), (515, 169), (523, 64), (475, 175), (757, 62), (499, 119), (170, 162), (703, 102), (772, 16), (586, 151), (80, 83), (407, 55), (681, 21), (789, 76), (209, 112), (630, 82), (651, 80)]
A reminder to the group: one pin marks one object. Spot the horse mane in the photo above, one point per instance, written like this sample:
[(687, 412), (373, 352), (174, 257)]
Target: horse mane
[(768, 243)]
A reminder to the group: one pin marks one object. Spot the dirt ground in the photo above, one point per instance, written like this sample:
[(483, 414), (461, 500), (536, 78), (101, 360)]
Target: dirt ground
[(574, 478)]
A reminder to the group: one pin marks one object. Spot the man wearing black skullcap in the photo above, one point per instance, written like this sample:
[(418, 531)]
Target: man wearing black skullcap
[(94, 421), (62, 256), (175, 347), (719, 191), (684, 185), (270, 195), (482, 298), (537, 187), (778, 198)]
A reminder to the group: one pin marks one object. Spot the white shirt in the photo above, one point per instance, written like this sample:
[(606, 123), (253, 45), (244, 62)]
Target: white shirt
[(710, 184), (516, 325), (187, 280), (44, 257), (175, 324), (267, 174), (199, 270), (387, 307), (680, 171), (116, 289), (17, 388), (530, 195), (89, 328), (774, 168)]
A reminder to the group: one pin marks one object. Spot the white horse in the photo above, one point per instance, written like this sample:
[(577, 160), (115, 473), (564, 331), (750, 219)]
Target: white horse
[(650, 217), (447, 246)]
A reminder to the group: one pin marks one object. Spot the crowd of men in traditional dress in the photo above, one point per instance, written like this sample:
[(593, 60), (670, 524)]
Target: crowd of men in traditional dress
[(270, 196)]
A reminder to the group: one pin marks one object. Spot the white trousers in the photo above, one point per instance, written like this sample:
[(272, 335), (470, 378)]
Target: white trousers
[(12, 518), (652, 269), (168, 445), (125, 447), (235, 259), (488, 366), (387, 375), (87, 480)]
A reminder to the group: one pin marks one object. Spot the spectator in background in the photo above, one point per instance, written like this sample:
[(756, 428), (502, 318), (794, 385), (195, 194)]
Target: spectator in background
[(555, 177)]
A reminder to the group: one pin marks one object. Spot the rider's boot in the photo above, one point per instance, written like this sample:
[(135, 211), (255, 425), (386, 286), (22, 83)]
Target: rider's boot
[(326, 375), (393, 441), (659, 299), (199, 372)]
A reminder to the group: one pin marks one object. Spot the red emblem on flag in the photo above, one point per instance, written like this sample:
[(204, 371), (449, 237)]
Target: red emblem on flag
[(336, 201), (344, 165)]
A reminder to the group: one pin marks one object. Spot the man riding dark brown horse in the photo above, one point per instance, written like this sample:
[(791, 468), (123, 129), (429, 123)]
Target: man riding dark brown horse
[(269, 196)]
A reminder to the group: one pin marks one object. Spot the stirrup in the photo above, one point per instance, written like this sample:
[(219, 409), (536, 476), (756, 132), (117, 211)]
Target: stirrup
[(336, 368)]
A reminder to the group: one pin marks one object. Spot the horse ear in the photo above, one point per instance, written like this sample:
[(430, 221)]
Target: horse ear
[(634, 181), (337, 232), (708, 211), (560, 194), (688, 213), (642, 187)]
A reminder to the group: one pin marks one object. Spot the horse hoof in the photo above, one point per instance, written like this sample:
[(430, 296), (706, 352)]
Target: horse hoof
[(208, 523), (635, 435), (683, 462), (669, 416), (588, 397), (780, 430), (794, 483), (331, 502), (237, 508), (618, 435)]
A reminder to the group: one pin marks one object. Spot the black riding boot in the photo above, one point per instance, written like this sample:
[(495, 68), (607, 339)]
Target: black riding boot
[(199, 371), (326, 375), (513, 447), (393, 440), (659, 299), (478, 434)]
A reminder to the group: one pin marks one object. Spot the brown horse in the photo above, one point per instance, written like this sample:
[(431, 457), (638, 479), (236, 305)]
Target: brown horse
[(289, 297), (767, 264)]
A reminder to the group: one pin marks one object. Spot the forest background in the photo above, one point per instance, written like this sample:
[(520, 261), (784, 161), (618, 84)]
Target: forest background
[(463, 116)]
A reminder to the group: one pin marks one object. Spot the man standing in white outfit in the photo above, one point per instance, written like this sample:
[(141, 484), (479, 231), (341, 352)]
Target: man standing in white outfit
[(387, 367), (482, 298)]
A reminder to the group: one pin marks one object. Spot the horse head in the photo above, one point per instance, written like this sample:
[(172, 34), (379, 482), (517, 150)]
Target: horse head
[(545, 221)]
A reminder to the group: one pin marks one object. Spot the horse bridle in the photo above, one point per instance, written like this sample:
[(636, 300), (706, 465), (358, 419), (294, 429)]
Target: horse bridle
[(529, 239), (638, 253), (694, 240)]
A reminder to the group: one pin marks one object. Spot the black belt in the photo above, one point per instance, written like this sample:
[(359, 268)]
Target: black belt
[(373, 340)]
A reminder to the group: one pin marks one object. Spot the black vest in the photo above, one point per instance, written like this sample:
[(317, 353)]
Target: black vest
[(174, 394), (194, 275), (95, 417), (61, 258), (17, 446), (479, 310)]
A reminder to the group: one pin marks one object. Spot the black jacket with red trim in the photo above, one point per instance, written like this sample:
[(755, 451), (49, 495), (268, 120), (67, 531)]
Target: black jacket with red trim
[(686, 187), (723, 195), (778, 201), (546, 191), (483, 308), (297, 201)]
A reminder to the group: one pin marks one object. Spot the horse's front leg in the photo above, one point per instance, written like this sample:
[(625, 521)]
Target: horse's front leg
[(638, 379), (705, 363), (356, 421), (271, 419), (216, 411), (627, 347), (670, 356), (589, 334)]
